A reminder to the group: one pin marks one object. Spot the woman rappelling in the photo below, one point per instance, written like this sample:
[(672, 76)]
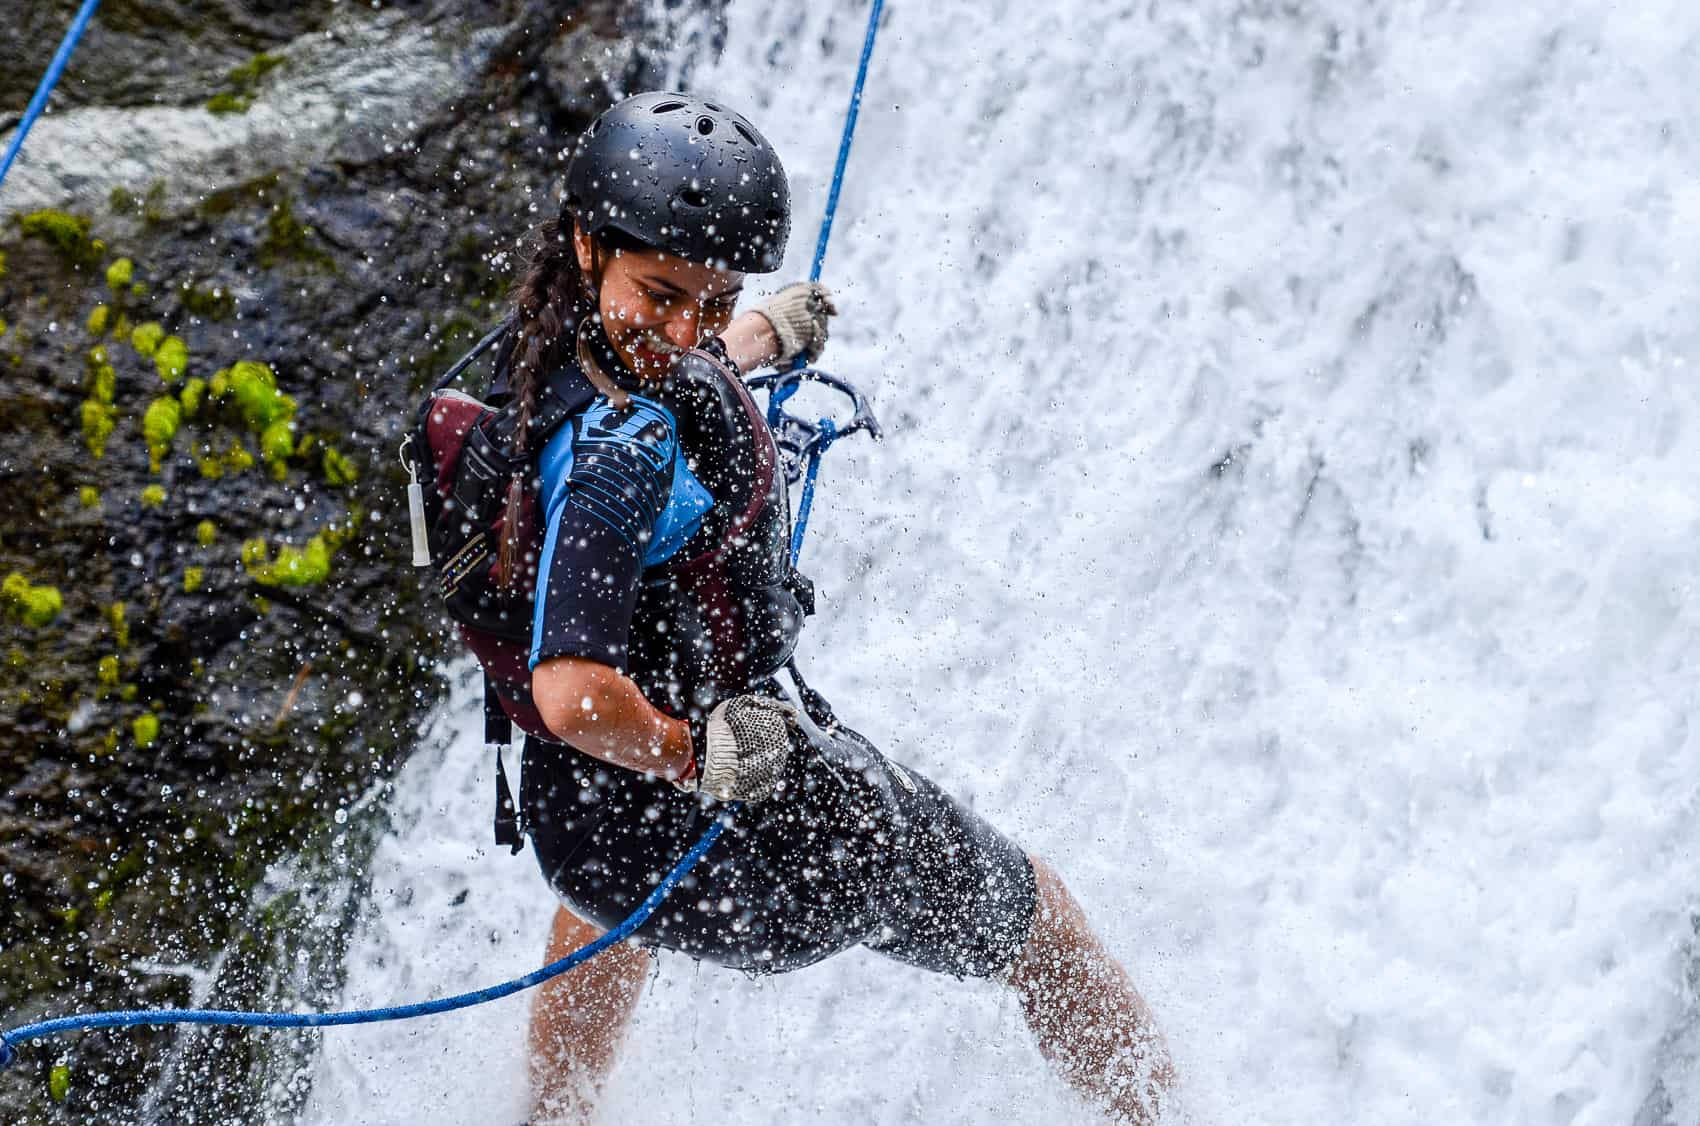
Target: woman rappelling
[(646, 524)]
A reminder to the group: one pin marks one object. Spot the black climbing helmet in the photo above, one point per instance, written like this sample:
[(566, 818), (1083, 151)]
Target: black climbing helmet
[(682, 175)]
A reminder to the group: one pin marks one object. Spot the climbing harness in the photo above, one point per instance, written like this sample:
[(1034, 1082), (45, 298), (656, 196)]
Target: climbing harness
[(38, 103), (801, 444)]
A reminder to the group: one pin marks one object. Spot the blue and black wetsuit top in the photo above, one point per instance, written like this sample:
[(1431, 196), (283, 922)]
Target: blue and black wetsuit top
[(666, 551)]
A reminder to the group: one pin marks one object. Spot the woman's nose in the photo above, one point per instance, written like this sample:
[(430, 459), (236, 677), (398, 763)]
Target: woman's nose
[(681, 330)]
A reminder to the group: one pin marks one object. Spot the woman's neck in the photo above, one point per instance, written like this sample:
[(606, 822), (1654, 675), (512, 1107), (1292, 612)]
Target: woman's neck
[(601, 364)]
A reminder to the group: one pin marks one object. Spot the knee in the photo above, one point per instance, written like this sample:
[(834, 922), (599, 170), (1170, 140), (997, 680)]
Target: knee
[(1060, 932), (1053, 906), (568, 933)]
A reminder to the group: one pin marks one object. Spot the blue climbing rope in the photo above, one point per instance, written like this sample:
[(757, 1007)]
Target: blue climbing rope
[(827, 428), (844, 142), (828, 432), (38, 103), (131, 1018)]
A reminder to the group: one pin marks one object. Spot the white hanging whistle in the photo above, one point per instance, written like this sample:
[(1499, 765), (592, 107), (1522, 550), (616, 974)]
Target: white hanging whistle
[(416, 512)]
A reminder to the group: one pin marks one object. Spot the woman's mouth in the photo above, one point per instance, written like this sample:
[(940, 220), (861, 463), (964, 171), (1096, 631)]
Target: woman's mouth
[(653, 352)]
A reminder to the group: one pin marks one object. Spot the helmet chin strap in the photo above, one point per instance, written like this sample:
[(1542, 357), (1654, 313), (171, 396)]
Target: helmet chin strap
[(586, 347), (593, 369)]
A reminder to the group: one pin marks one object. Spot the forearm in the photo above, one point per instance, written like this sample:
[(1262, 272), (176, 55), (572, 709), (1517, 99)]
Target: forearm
[(750, 342), (600, 711)]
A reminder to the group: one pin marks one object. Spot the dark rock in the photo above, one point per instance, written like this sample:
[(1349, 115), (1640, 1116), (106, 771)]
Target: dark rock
[(347, 230)]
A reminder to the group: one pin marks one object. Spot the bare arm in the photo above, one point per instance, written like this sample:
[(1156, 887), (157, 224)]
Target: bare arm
[(751, 342), (598, 710)]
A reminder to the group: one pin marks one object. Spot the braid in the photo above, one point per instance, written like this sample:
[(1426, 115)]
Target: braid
[(546, 297)]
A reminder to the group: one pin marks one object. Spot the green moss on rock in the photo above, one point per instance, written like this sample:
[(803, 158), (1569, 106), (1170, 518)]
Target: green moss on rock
[(120, 274), (153, 496), (145, 727), (88, 496), (194, 393), (215, 304), (205, 533), (225, 102), (193, 577), (99, 319), (35, 606), (236, 458), (254, 387), (146, 337), (66, 233), (98, 422), (159, 426), (286, 237), (277, 442), (171, 358), (296, 566), (307, 565), (103, 377), (339, 470), (248, 75)]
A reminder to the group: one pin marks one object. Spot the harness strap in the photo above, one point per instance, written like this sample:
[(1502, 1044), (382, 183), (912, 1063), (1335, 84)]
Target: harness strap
[(819, 711), (498, 731)]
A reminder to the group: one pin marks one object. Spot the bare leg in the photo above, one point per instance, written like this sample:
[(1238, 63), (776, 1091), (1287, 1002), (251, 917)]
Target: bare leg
[(1089, 1021), (578, 1021)]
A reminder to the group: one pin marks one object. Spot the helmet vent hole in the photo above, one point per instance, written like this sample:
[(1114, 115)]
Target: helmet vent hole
[(693, 198), (745, 133), (705, 125), (774, 215), (713, 108), (668, 107)]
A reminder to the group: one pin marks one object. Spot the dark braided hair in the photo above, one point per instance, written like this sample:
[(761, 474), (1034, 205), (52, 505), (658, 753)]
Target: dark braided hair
[(549, 297)]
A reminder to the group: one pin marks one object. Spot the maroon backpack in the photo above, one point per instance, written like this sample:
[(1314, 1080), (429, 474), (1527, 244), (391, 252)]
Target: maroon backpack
[(460, 460)]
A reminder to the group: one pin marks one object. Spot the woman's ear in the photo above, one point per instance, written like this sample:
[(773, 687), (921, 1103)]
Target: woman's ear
[(583, 250)]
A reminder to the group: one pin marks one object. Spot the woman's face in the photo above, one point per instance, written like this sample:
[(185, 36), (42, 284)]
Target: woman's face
[(655, 306)]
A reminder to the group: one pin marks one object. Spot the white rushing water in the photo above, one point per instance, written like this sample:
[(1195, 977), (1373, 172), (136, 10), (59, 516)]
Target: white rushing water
[(1288, 525)]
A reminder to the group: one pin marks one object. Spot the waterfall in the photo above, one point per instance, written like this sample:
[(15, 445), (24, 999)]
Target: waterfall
[(1287, 525)]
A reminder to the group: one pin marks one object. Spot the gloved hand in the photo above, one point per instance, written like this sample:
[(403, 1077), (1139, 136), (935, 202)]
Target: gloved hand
[(742, 749), (798, 315)]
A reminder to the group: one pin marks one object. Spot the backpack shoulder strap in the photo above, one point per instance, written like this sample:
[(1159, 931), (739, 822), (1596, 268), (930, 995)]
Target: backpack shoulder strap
[(551, 411)]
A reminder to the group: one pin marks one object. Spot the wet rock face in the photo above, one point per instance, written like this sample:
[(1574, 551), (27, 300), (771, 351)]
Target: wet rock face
[(217, 324), (146, 52)]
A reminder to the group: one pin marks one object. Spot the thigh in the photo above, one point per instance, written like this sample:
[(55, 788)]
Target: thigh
[(854, 849), (955, 896), (789, 882)]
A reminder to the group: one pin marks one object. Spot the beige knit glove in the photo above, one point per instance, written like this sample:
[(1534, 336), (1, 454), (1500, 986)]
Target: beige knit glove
[(798, 315), (742, 748)]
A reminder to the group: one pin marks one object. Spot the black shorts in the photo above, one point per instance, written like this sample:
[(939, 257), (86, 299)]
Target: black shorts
[(854, 850)]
